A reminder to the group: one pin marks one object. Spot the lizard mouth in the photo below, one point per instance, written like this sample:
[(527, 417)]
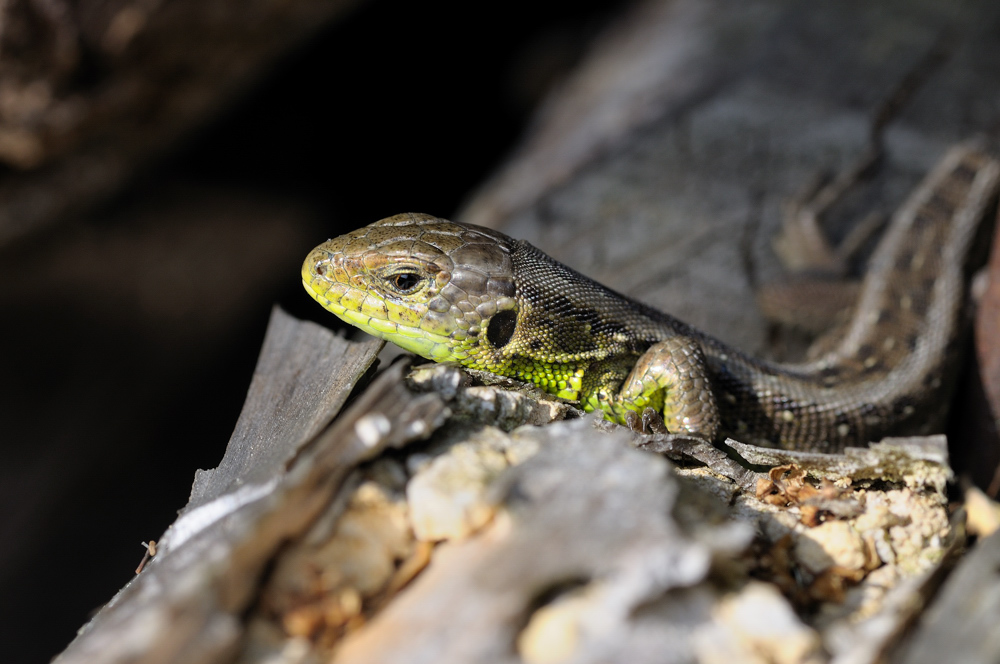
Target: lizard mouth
[(366, 310), (318, 295)]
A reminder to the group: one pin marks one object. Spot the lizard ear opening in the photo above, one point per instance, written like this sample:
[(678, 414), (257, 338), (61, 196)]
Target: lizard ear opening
[(501, 328)]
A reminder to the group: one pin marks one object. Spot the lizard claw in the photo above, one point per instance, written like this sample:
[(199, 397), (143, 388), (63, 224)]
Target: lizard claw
[(632, 422), (650, 422)]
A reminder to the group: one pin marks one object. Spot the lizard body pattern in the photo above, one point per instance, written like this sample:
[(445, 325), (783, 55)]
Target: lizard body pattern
[(454, 292)]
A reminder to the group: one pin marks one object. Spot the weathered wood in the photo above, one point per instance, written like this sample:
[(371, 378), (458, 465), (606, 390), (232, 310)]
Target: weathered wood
[(961, 626), (302, 379), (890, 460), (586, 521), (185, 607)]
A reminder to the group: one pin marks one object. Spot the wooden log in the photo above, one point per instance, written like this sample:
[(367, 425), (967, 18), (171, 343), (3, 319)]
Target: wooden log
[(961, 625), (186, 605)]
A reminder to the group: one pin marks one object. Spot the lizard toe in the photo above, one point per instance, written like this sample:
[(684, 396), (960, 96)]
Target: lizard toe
[(633, 422), (652, 422)]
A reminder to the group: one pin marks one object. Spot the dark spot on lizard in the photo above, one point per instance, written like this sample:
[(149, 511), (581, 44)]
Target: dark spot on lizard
[(587, 316), (938, 204), (904, 259), (902, 404), (871, 414), (919, 304), (829, 376), (965, 173), (572, 344), (873, 367), (932, 379), (884, 316), (611, 328), (530, 293), (923, 220), (561, 304), (501, 328)]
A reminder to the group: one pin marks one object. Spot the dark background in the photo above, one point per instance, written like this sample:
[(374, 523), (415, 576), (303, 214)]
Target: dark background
[(130, 332)]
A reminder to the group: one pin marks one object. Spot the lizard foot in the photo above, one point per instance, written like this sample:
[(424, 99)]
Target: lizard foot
[(649, 422)]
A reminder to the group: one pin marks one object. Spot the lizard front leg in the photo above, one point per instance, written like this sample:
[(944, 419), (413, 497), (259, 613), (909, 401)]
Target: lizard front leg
[(671, 378)]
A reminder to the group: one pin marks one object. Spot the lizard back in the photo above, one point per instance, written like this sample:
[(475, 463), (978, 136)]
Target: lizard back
[(888, 375)]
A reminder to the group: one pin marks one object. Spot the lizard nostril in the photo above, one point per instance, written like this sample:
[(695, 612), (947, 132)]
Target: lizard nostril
[(322, 264)]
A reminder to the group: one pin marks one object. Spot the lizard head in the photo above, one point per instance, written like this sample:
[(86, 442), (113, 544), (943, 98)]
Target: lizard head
[(440, 289)]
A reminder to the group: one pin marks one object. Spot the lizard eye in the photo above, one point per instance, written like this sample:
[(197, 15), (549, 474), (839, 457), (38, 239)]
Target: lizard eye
[(405, 282)]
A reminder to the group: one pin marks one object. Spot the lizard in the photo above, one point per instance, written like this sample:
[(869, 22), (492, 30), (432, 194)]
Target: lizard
[(454, 292)]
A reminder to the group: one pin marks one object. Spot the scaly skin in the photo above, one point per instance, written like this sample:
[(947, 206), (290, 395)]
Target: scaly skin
[(454, 292)]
